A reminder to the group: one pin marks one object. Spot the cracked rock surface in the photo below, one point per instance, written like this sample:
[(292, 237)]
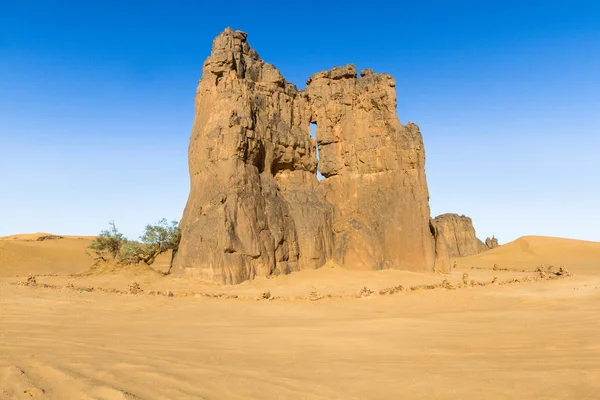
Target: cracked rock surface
[(256, 207)]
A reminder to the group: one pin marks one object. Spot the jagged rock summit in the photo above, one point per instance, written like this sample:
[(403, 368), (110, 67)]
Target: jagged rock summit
[(491, 243), (459, 234), (256, 207)]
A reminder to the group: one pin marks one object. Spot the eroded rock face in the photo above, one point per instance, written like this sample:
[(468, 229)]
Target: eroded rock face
[(375, 171), (459, 235), (256, 207), (491, 243), (443, 252), (255, 204)]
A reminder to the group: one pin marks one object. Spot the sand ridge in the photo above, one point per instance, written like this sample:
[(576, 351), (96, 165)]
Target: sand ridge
[(529, 251), (24, 254)]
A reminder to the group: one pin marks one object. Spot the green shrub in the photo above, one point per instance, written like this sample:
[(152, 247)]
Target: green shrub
[(131, 253), (157, 239), (109, 243)]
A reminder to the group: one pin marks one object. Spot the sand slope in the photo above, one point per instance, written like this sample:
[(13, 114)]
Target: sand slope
[(24, 254), (578, 256)]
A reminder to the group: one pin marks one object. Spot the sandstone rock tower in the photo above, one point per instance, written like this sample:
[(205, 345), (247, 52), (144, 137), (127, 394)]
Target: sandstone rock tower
[(459, 234), (256, 207)]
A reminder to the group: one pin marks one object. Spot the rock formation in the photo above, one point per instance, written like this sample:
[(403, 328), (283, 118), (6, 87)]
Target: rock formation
[(255, 204), (491, 243), (459, 234), (374, 169), (256, 207), (442, 249)]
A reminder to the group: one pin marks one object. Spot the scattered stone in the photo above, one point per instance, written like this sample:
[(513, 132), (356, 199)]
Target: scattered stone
[(424, 287), (31, 281), (134, 288), (314, 296), (266, 295), (34, 392), (364, 292), (447, 285), (465, 278), (391, 290)]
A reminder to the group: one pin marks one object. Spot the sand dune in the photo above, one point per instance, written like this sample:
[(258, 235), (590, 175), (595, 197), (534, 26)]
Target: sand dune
[(534, 340), (530, 251), (25, 254)]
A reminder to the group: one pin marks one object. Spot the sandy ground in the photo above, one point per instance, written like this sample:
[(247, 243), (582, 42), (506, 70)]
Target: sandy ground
[(23, 254), (523, 340)]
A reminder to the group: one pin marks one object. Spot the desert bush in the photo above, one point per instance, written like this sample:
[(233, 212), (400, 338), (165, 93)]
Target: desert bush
[(131, 253), (156, 239), (109, 243), (159, 238)]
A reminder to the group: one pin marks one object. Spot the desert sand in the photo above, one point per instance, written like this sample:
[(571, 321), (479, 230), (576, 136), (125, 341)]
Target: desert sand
[(27, 254), (77, 335)]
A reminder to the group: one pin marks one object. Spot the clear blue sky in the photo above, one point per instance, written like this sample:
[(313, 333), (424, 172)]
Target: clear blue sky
[(96, 102)]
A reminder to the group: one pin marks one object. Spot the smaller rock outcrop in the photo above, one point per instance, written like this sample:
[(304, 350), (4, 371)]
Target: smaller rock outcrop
[(458, 233), (491, 243), (48, 237)]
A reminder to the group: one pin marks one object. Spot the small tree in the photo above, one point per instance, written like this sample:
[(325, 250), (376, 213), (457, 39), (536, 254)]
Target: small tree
[(109, 243), (159, 238), (131, 253)]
